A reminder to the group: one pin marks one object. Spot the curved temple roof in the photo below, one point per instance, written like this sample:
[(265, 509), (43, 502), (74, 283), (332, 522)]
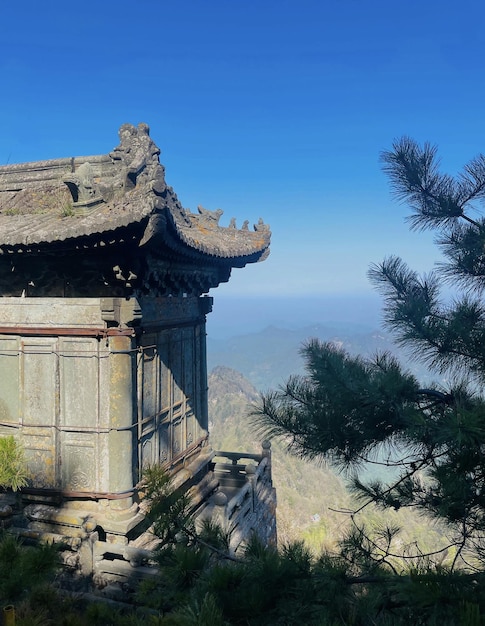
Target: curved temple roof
[(92, 199)]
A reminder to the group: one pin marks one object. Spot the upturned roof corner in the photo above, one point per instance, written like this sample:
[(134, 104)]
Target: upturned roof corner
[(71, 205)]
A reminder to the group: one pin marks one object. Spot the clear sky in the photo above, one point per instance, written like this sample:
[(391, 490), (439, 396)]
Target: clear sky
[(264, 108)]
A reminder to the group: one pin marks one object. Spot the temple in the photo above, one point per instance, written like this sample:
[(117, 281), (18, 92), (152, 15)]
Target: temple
[(104, 279)]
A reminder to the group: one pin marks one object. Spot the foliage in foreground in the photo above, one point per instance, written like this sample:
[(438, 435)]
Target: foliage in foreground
[(23, 568), (13, 471), (268, 587), (197, 585), (201, 583), (361, 583)]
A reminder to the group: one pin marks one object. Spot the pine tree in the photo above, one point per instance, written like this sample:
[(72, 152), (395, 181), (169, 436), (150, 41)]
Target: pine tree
[(352, 410)]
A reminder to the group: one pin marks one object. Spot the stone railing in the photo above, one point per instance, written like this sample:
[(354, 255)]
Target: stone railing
[(233, 489), (242, 501), (245, 502)]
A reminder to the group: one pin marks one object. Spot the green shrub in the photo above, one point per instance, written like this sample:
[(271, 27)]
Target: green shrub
[(13, 471)]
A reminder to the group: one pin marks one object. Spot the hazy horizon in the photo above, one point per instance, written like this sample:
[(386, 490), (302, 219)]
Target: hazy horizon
[(239, 315)]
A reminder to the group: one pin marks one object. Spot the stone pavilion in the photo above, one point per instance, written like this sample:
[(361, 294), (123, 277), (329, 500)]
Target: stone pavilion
[(104, 282)]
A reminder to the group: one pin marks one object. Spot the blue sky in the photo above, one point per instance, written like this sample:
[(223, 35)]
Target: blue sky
[(272, 109)]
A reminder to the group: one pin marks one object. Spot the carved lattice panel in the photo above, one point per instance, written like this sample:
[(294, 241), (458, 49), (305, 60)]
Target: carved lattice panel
[(172, 393), (176, 366), (150, 387), (178, 439), (164, 442), (148, 402), (79, 461)]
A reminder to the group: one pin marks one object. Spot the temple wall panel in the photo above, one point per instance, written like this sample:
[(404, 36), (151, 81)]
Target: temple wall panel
[(79, 418), (50, 397), (39, 401), (79, 380), (92, 411), (10, 384), (79, 467), (72, 312), (170, 389)]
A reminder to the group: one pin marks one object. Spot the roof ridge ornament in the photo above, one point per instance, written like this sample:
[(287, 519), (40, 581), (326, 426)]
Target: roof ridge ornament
[(84, 191), (137, 156), (261, 226), (134, 163), (210, 217)]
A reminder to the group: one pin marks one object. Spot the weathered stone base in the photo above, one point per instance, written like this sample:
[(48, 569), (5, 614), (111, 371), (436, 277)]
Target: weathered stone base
[(113, 545)]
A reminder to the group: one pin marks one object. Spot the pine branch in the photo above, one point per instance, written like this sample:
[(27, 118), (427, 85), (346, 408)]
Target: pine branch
[(436, 199)]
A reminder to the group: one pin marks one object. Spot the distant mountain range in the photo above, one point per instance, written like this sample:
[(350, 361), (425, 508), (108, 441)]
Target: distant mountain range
[(267, 358)]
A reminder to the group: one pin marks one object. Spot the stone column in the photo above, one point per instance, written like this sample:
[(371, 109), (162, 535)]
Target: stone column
[(219, 515), (266, 453), (121, 419), (251, 477), (205, 307)]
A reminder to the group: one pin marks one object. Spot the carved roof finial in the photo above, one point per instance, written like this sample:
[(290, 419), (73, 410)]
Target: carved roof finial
[(210, 216)]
